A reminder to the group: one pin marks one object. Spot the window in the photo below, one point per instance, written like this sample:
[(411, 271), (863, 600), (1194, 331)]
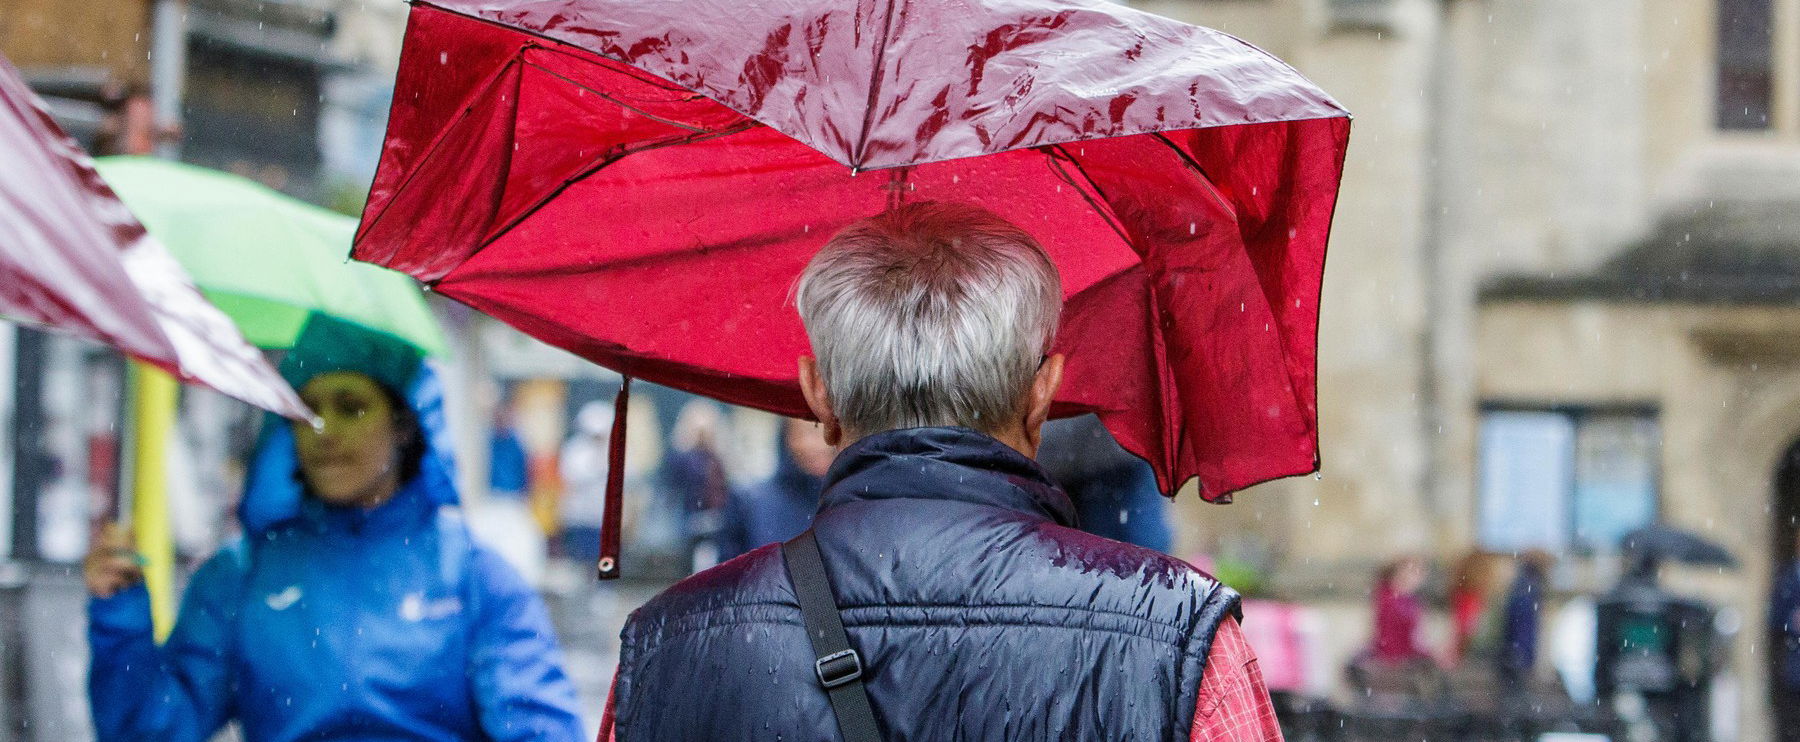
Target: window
[(1562, 479), (1362, 15), (1746, 69)]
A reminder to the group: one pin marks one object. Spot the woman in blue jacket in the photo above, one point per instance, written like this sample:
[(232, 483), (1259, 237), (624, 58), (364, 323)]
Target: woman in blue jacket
[(356, 606)]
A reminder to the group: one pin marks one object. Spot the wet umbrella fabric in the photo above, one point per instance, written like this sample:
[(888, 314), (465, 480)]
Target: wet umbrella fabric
[(74, 259), (268, 260), (1660, 543), (641, 183)]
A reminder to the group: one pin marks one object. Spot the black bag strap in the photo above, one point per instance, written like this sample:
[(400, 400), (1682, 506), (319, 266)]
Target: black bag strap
[(837, 665)]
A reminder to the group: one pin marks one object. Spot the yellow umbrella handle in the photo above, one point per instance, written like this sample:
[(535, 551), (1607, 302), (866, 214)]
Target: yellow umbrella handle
[(154, 396)]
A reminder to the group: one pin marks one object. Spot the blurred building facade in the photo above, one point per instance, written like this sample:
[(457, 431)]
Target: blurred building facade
[(1563, 295)]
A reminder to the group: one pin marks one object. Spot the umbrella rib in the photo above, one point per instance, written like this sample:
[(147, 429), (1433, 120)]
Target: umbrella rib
[(1104, 211), (639, 262), (880, 68), (616, 101), (467, 106), (1205, 179), (601, 164)]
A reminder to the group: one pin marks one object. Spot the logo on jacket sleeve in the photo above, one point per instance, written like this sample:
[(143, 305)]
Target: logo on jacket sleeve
[(285, 599), (415, 607)]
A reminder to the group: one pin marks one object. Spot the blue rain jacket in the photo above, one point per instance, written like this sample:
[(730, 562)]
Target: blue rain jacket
[(339, 624)]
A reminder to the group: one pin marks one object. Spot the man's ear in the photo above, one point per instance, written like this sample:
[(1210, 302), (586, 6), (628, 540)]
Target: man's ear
[(1043, 392), (812, 387)]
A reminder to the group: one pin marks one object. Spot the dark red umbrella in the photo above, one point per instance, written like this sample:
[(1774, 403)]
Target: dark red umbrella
[(74, 259), (641, 183)]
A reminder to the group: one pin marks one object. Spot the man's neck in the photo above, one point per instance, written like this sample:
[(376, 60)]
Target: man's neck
[(1014, 437)]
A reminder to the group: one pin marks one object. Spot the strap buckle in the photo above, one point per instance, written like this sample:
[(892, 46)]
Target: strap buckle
[(839, 668)]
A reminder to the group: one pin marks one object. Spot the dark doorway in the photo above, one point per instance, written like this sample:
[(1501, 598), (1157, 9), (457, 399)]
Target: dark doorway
[(1783, 551), (1787, 507)]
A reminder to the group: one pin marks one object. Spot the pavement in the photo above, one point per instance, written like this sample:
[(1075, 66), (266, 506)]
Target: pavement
[(588, 618)]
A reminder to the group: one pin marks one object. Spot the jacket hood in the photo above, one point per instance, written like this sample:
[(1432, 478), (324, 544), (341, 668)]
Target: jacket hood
[(273, 492)]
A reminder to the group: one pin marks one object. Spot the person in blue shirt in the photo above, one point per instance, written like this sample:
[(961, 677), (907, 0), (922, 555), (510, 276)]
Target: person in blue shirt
[(782, 506), (356, 607), (1114, 491), (1521, 620)]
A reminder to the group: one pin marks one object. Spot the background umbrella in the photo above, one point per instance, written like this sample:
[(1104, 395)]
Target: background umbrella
[(268, 260), (641, 183), (74, 259), (1666, 543)]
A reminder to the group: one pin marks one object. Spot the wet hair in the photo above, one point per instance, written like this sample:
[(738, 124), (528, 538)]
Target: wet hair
[(411, 434), (929, 314)]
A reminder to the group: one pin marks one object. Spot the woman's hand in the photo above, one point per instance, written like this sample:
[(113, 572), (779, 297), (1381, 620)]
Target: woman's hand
[(112, 563)]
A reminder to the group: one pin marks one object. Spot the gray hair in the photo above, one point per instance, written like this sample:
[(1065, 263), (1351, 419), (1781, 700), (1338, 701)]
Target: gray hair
[(929, 314)]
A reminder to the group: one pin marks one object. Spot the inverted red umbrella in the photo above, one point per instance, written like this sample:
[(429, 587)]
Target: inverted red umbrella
[(642, 182), (74, 259)]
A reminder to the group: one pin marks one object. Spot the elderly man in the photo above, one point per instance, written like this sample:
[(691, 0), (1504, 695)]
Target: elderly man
[(974, 609)]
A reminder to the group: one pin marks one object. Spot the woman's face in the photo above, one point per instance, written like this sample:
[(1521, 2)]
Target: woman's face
[(354, 460)]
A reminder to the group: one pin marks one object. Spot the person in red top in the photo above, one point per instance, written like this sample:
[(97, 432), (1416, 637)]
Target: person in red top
[(1398, 612)]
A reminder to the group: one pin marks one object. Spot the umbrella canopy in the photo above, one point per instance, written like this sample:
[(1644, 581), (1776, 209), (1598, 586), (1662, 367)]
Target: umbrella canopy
[(269, 260), (641, 183), (74, 259), (1658, 543)]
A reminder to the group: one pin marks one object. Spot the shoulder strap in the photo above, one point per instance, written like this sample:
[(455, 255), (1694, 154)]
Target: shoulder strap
[(837, 665)]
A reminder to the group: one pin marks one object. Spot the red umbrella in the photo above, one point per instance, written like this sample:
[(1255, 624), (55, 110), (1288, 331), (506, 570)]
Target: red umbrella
[(72, 258), (641, 183)]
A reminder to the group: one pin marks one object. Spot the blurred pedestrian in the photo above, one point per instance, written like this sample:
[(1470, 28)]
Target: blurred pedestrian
[(1398, 613), (974, 609), (1784, 624), (503, 520), (782, 506), (694, 481), (1114, 492), (1473, 584), (1522, 618), (583, 466), (357, 606)]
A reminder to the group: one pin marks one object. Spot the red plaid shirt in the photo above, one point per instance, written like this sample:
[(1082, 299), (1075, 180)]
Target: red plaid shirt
[(1233, 707)]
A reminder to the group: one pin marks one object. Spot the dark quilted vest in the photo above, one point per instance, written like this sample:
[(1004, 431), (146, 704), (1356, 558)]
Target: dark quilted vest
[(980, 613)]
